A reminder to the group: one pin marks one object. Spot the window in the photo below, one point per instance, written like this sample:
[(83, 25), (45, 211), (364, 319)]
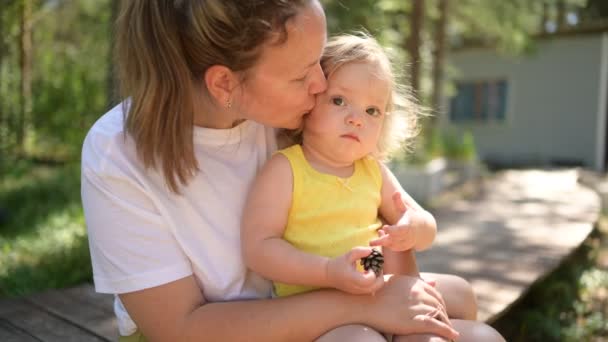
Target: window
[(479, 101)]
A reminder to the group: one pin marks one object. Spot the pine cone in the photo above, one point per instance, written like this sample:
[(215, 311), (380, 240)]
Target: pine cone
[(374, 261)]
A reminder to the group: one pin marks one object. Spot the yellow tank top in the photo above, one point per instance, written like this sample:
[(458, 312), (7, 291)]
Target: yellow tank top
[(330, 215)]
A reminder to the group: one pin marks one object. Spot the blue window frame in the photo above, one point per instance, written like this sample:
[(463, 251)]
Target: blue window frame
[(479, 101)]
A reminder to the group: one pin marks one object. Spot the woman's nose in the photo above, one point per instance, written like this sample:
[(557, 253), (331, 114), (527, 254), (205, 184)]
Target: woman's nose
[(319, 82)]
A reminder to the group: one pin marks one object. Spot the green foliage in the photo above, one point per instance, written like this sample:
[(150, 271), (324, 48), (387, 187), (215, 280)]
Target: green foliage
[(70, 87), (343, 16), (70, 64), (460, 147), (43, 241), (436, 143), (571, 304)]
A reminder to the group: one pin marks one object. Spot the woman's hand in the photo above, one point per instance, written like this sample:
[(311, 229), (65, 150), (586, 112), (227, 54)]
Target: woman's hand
[(342, 273), (407, 305)]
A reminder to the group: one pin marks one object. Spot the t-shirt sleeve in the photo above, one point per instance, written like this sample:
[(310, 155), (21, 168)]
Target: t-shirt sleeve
[(131, 245)]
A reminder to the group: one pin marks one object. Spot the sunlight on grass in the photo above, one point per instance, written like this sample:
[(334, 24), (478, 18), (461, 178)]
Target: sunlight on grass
[(43, 243), (59, 232)]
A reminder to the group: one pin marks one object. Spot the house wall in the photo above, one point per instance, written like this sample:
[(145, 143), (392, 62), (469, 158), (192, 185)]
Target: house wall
[(553, 102)]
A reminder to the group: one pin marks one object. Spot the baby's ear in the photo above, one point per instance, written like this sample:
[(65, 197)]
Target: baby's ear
[(220, 82)]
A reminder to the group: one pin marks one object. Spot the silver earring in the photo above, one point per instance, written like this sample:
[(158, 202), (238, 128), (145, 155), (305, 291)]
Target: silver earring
[(229, 104)]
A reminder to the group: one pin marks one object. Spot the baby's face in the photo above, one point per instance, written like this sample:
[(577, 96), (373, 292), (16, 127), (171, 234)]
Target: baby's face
[(347, 120)]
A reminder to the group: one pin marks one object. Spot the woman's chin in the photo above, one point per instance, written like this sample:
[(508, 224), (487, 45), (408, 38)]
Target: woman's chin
[(294, 124)]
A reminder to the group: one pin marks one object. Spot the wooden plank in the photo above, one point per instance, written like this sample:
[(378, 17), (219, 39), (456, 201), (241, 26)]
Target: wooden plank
[(86, 293), (42, 325), (8, 305), (11, 333), (76, 308)]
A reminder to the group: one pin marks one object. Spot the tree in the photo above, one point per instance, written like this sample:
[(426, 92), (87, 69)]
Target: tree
[(10, 83), (26, 72), (594, 10), (3, 49), (561, 15), (439, 53), (413, 43), (111, 82)]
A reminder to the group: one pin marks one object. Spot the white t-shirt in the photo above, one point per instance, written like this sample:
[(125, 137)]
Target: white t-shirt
[(142, 235)]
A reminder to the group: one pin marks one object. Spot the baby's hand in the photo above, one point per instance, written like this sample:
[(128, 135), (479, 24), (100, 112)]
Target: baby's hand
[(343, 275), (401, 236)]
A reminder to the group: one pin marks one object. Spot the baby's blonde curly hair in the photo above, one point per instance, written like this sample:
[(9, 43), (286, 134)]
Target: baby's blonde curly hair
[(402, 110)]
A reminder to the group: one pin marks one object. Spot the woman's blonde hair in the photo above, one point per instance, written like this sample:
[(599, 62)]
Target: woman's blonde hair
[(403, 110), (164, 47)]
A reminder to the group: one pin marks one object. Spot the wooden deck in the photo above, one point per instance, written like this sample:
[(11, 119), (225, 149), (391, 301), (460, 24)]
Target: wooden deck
[(502, 242), (77, 314)]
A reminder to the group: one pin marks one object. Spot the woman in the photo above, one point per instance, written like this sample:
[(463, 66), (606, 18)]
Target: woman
[(165, 175)]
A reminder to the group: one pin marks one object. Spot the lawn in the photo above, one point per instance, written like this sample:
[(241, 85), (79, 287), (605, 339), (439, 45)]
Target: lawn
[(43, 241)]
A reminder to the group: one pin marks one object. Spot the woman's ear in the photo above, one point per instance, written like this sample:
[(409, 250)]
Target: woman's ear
[(220, 82)]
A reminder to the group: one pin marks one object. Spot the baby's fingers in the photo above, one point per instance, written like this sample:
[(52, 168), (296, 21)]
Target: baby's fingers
[(357, 253), (367, 284), (381, 241)]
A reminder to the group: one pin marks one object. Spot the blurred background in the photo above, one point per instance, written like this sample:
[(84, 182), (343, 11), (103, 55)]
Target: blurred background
[(510, 84)]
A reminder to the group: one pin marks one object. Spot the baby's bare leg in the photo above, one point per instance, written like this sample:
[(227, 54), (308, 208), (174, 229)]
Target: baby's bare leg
[(353, 333), (419, 338)]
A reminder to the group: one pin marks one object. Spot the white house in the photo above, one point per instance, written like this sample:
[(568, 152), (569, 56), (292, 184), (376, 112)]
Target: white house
[(546, 108)]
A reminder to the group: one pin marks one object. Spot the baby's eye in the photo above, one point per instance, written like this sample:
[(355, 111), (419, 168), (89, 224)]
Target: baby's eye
[(337, 100), (373, 111)]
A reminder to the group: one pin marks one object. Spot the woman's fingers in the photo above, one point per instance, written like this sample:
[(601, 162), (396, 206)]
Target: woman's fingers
[(431, 290), (427, 324), (430, 281), (441, 314)]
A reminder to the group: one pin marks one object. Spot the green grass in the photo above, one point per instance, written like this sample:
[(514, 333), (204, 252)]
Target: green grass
[(43, 242), (571, 304)]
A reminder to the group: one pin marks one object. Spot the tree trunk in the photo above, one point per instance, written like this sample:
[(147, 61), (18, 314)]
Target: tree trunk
[(413, 43), (111, 84), (3, 49), (26, 73), (561, 15), (545, 18), (439, 56)]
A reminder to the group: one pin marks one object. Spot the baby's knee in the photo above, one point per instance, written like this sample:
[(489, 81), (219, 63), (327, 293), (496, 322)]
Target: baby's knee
[(476, 331), (419, 338), (352, 332), (485, 333), (466, 302)]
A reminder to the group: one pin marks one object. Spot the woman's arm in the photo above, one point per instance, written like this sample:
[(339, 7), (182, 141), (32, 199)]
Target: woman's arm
[(178, 311)]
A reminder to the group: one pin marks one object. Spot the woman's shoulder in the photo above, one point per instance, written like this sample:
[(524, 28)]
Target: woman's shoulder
[(106, 143)]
